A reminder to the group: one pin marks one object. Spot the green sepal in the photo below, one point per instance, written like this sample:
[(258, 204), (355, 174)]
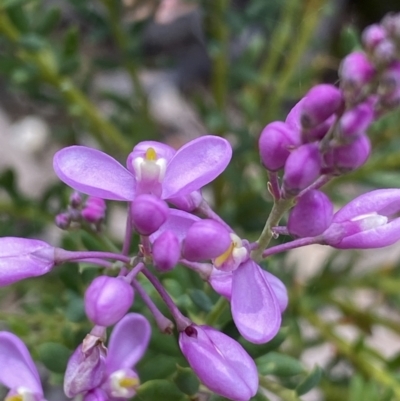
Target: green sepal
[(310, 381), (186, 380), (54, 356), (159, 390), (278, 364)]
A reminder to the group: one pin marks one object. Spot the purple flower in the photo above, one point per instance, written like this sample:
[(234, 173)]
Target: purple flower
[(153, 168), (21, 258), (17, 370), (373, 35), (166, 251), (368, 221), (114, 374), (94, 210), (220, 362), (107, 299)]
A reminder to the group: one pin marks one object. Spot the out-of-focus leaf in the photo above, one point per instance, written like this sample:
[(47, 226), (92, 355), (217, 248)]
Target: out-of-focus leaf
[(32, 42), (159, 390), (201, 300), (279, 364), (310, 381), (48, 21), (54, 356), (186, 380), (18, 16)]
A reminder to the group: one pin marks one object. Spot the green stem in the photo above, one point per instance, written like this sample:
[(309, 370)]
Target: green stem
[(278, 210), (216, 311), (106, 133), (364, 363)]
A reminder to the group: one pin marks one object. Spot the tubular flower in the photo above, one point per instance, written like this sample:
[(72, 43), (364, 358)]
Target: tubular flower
[(368, 221), (220, 362), (152, 168), (17, 370)]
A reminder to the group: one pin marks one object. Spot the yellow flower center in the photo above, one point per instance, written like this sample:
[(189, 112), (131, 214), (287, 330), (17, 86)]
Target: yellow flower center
[(129, 382), (151, 154)]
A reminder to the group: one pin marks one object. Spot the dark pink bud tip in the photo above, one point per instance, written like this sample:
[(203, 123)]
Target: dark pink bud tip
[(373, 35), (94, 210), (191, 331), (148, 213), (275, 143), (321, 102)]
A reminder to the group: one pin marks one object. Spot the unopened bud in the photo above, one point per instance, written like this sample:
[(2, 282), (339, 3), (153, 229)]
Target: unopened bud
[(373, 35), (342, 159), (275, 143), (356, 121), (75, 200), (320, 103), (107, 300), (94, 210), (166, 251), (63, 220), (302, 168), (205, 239), (148, 213), (311, 215), (384, 52)]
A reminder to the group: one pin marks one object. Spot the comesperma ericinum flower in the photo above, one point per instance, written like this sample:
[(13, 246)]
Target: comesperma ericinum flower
[(152, 168), (220, 362), (368, 221), (17, 370), (113, 374)]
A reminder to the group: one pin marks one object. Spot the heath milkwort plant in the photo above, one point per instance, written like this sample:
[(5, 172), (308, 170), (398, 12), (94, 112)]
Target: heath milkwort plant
[(323, 136)]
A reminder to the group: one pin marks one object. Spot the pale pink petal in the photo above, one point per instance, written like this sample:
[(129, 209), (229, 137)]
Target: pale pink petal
[(255, 308), (94, 173), (16, 366), (196, 164), (128, 342)]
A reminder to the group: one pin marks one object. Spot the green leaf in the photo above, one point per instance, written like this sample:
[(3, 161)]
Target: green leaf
[(18, 17), (71, 42), (54, 356), (310, 381), (49, 21), (186, 380), (279, 365), (159, 390), (201, 300), (32, 42), (257, 350)]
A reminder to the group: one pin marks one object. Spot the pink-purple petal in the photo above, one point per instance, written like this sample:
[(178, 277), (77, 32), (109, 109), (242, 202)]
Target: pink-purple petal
[(94, 173), (381, 201), (16, 366), (378, 237), (128, 342), (255, 308), (196, 164), (21, 258)]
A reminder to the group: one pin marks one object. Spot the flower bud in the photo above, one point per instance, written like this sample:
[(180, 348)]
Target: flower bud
[(356, 121), (390, 79), (166, 251), (148, 213), (275, 142), (63, 220), (355, 71), (311, 215), (391, 23), (21, 258), (205, 239), (107, 300), (372, 36), (85, 371), (302, 168), (384, 52), (75, 200), (220, 362), (321, 102), (188, 203), (342, 159), (318, 132), (94, 210)]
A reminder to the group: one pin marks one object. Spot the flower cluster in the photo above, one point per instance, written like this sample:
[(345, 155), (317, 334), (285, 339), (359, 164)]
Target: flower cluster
[(324, 135)]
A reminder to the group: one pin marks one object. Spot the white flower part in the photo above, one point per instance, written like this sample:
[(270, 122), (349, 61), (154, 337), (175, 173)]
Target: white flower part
[(371, 220), (233, 257), (239, 252), (121, 385), (149, 168), (22, 394)]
